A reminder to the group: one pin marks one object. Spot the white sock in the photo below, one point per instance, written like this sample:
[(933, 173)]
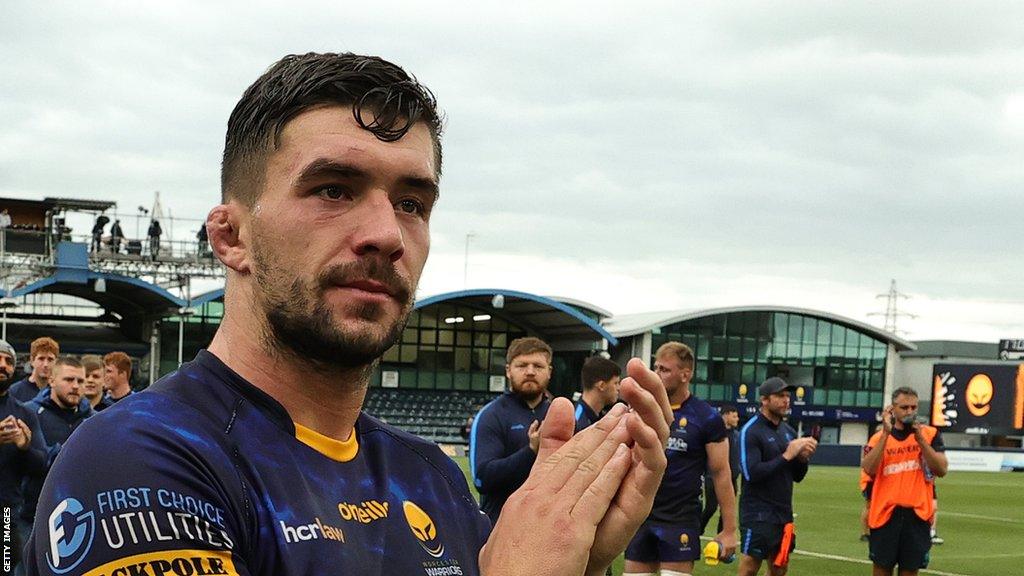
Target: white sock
[(672, 573), (639, 574)]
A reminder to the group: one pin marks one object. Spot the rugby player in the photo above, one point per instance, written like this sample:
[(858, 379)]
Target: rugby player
[(255, 458), (669, 539)]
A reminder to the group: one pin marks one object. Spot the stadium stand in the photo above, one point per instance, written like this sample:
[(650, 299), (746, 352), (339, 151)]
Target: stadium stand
[(436, 415)]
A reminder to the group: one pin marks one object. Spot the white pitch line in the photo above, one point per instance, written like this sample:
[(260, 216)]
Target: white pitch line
[(868, 562), (982, 556), (940, 512), (863, 561), (980, 517)]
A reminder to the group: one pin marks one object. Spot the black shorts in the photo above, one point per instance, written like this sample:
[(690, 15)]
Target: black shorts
[(657, 542), (905, 540), (762, 540)]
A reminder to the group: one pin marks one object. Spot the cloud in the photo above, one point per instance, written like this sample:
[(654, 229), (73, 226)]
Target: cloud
[(795, 151)]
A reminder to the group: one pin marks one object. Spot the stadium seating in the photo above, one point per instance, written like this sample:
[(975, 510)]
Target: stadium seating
[(436, 415)]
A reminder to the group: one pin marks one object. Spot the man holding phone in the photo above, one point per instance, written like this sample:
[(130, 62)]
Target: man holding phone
[(903, 460)]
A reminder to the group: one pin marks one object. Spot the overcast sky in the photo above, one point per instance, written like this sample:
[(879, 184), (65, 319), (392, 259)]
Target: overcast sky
[(640, 156)]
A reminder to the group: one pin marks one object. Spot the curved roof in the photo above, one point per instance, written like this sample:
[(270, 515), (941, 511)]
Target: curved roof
[(554, 319), (586, 306), (124, 294), (633, 324), (210, 296)]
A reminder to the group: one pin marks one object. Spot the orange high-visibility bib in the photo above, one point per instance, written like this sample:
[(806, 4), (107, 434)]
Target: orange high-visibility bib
[(900, 479)]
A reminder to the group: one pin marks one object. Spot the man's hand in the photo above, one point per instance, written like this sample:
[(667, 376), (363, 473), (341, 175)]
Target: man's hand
[(808, 450), (587, 494), (15, 431), (547, 527), (887, 418), (651, 415), (797, 446), (534, 434), (727, 540)]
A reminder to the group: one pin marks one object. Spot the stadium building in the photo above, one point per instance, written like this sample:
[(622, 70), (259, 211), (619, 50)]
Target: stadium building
[(451, 356), (844, 369)]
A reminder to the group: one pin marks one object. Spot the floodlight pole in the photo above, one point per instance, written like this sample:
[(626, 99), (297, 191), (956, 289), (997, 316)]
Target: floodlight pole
[(465, 261)]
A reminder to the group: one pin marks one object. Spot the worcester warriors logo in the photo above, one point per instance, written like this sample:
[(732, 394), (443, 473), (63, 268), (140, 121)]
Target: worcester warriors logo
[(979, 395), (684, 539), (423, 529), (71, 532)]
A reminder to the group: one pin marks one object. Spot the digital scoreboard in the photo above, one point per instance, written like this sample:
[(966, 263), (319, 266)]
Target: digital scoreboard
[(978, 398)]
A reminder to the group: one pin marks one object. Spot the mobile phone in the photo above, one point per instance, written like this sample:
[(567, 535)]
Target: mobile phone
[(814, 432)]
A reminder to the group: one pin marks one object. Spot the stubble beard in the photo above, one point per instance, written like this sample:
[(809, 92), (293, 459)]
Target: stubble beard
[(300, 323)]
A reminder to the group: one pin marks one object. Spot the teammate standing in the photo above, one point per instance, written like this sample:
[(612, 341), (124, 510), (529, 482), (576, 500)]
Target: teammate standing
[(771, 459), (60, 413), (256, 458), (904, 459), (117, 371), (600, 379), (669, 540), (505, 436), (42, 354)]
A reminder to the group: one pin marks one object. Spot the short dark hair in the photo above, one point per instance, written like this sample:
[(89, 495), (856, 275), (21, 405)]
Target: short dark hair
[(395, 100), (68, 361), (903, 390), (527, 345), (729, 409), (598, 369)]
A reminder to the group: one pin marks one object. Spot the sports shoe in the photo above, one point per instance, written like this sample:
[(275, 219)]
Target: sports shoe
[(937, 540)]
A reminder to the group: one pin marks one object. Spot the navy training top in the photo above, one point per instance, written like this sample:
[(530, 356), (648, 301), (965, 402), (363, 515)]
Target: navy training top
[(767, 494), (500, 458), (203, 473), (585, 415), (695, 424), (25, 391)]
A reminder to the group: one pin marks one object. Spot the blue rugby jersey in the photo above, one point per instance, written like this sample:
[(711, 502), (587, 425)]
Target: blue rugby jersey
[(695, 424), (204, 474)]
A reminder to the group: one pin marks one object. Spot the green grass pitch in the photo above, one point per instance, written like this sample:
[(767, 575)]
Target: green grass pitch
[(981, 517)]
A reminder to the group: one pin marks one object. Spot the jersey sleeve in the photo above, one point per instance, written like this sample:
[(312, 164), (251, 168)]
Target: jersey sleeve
[(130, 494), (715, 430)]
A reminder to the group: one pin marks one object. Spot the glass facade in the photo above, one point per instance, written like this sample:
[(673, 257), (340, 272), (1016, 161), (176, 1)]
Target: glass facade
[(197, 334), (448, 347), (834, 364)]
